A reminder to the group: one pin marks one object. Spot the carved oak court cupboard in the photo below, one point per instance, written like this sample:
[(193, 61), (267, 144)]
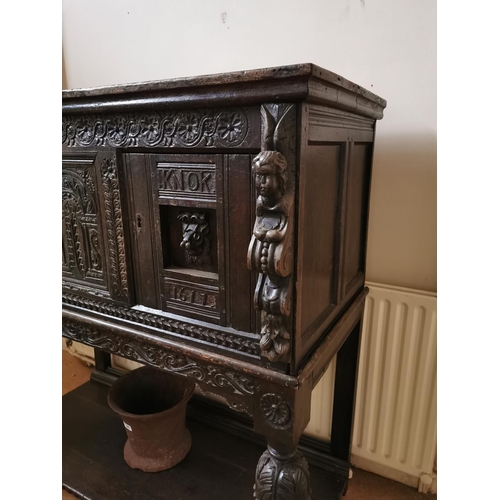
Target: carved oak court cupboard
[(215, 227)]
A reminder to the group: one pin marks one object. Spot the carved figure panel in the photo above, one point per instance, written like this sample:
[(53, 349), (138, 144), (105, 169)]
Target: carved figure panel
[(271, 248), (82, 254)]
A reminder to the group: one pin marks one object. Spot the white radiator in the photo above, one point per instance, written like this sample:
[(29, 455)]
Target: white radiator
[(395, 419)]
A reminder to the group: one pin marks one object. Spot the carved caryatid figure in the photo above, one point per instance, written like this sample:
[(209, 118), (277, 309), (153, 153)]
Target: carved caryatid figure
[(195, 229), (270, 252)]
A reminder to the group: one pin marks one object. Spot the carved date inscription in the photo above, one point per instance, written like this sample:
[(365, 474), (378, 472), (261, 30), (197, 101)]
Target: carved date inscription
[(180, 293)]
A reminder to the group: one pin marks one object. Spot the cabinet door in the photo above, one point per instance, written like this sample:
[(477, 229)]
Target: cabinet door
[(93, 242), (191, 218)]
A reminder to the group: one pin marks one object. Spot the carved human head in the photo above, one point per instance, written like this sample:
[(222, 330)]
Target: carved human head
[(270, 171)]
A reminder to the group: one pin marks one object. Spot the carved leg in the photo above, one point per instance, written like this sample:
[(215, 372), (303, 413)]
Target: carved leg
[(281, 414), (281, 475)]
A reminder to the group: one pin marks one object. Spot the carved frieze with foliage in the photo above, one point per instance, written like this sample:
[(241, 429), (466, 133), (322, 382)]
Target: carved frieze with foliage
[(192, 128), (133, 348)]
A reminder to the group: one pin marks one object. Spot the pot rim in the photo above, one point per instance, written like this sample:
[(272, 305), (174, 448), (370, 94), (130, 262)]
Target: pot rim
[(187, 395)]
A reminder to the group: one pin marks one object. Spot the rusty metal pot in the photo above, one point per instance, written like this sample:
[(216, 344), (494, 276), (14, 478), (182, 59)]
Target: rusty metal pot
[(152, 405)]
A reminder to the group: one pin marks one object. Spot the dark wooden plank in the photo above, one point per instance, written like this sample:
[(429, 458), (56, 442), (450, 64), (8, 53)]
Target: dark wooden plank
[(239, 217), (142, 228)]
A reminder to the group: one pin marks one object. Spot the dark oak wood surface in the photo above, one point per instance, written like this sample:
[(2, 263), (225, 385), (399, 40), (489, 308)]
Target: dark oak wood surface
[(215, 227)]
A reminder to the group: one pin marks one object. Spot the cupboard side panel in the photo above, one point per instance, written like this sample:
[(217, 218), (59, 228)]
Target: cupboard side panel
[(318, 232), (356, 217)]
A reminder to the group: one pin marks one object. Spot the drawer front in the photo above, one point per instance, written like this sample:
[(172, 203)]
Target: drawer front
[(93, 243)]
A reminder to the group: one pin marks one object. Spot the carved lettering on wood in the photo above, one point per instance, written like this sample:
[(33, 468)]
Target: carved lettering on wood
[(271, 248), (81, 248), (181, 293), (185, 178)]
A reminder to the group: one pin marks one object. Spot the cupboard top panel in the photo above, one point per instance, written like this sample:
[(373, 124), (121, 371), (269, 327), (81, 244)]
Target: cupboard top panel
[(300, 82)]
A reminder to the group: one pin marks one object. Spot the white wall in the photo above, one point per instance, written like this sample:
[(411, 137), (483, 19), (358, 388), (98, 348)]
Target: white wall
[(387, 46)]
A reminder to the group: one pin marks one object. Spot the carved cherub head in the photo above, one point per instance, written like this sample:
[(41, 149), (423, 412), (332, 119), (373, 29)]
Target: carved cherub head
[(194, 229), (270, 171)]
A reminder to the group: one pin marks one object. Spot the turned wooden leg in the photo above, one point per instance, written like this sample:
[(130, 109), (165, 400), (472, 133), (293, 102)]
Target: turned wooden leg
[(282, 475)]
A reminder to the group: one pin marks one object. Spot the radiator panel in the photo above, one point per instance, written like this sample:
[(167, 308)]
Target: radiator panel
[(395, 420)]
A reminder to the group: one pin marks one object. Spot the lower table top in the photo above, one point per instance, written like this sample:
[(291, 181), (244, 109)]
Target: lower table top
[(219, 466)]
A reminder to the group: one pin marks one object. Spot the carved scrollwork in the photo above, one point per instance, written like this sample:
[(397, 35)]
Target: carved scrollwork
[(283, 477), (271, 248), (132, 348), (193, 128), (114, 228), (211, 335), (195, 241)]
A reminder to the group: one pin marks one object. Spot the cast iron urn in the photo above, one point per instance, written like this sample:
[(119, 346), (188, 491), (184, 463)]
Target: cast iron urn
[(152, 405)]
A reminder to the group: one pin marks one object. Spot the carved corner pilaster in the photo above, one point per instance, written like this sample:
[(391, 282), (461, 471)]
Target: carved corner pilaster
[(114, 228), (270, 252)]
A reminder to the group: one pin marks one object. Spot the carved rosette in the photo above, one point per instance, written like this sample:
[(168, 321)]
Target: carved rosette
[(276, 410), (282, 476), (271, 248)]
